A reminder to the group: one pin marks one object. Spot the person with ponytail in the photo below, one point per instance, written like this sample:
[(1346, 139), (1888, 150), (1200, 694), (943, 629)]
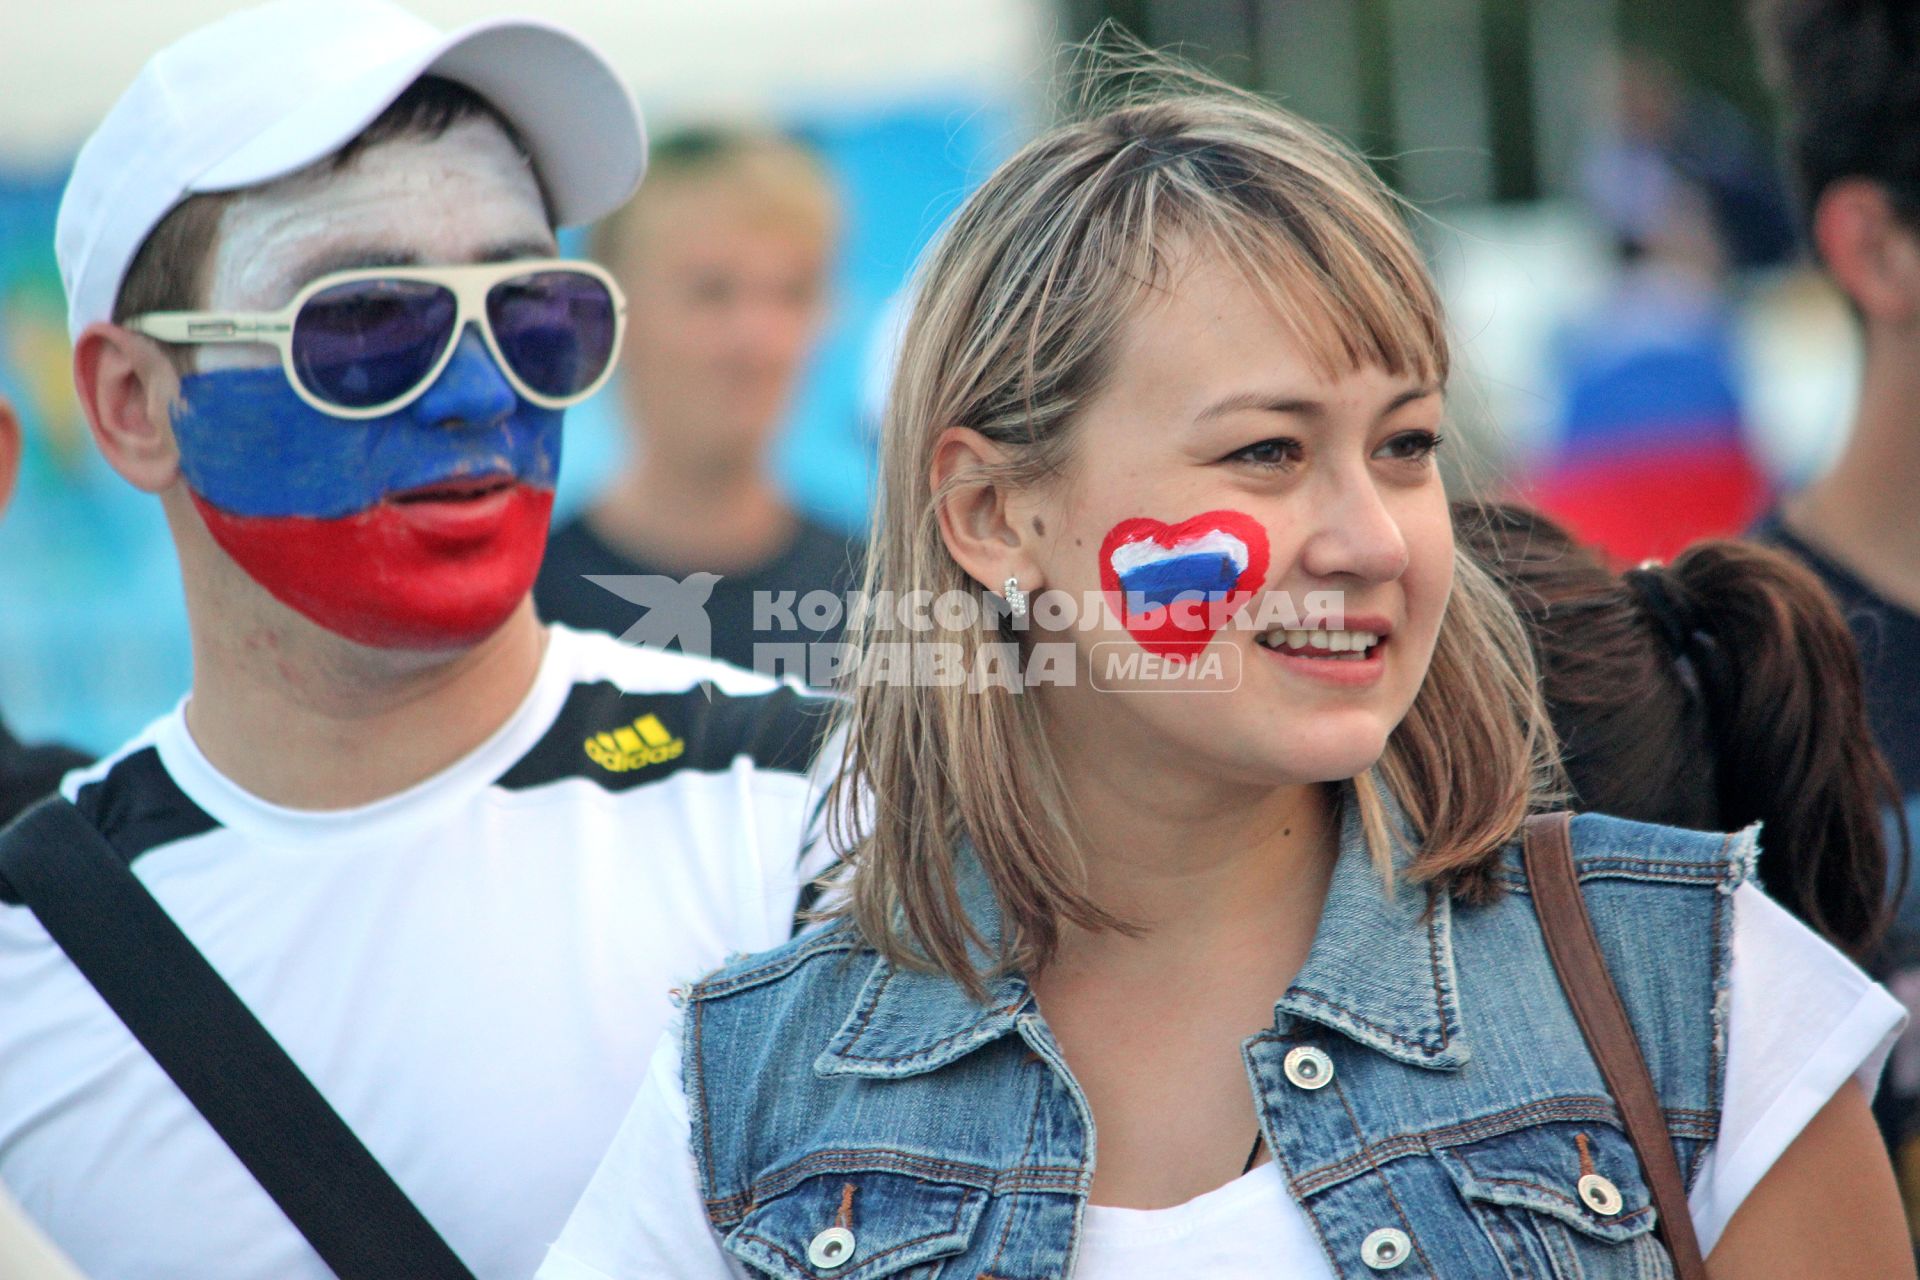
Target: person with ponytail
[(1187, 927), (1713, 692)]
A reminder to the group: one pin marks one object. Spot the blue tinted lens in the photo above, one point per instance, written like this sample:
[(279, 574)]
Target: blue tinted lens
[(555, 328), (370, 341)]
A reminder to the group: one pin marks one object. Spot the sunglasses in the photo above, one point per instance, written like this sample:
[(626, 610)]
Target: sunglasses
[(362, 344)]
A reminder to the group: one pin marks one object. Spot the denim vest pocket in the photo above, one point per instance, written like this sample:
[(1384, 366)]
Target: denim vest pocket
[(901, 1226), (1523, 1188)]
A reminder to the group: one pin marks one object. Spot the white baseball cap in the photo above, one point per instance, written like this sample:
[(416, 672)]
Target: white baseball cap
[(270, 89)]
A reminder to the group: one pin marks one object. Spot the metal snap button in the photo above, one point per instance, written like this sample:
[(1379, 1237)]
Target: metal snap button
[(1385, 1249), (832, 1248), (1600, 1195), (1308, 1067)]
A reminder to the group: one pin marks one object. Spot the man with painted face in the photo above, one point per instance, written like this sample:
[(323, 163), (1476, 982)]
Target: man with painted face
[(452, 860)]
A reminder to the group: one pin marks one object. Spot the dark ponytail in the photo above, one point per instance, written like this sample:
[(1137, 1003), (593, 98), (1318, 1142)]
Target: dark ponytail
[(1721, 690), (1790, 734)]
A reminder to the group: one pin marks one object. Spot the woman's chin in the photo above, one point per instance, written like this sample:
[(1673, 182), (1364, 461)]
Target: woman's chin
[(1291, 759), (1322, 755)]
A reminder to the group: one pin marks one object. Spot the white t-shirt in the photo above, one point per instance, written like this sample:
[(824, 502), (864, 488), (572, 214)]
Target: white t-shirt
[(473, 972), (1803, 1020)]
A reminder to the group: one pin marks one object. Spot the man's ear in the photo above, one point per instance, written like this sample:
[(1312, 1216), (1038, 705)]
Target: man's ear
[(973, 501), (127, 388), (10, 448), (1869, 249)]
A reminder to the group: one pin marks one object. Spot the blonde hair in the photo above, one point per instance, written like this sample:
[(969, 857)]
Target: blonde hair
[(767, 176), (1018, 311)]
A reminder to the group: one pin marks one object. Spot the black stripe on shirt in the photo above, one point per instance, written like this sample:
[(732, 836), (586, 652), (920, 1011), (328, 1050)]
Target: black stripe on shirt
[(138, 807), (706, 730)]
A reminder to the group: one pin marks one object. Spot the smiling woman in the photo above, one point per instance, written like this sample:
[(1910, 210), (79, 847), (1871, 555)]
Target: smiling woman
[(1258, 922), (1237, 321)]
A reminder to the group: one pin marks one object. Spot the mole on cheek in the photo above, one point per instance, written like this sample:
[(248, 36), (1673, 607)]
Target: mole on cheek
[(1040, 526)]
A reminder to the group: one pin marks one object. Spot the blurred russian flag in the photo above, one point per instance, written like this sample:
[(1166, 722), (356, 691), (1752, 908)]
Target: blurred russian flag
[(1651, 449)]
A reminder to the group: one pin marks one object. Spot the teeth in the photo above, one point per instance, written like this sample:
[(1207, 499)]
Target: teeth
[(1356, 642)]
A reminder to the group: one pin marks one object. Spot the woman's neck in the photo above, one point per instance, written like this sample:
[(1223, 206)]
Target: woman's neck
[(1226, 885), (1197, 862)]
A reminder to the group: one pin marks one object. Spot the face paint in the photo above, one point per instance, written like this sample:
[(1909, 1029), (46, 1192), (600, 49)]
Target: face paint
[(409, 199), (420, 530), (1174, 586)]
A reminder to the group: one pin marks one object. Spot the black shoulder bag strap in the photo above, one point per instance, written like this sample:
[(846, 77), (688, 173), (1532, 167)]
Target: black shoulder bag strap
[(230, 1068)]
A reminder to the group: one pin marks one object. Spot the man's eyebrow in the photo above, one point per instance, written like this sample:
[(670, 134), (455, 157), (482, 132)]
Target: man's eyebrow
[(366, 259), (354, 259), (1299, 406), (513, 250)]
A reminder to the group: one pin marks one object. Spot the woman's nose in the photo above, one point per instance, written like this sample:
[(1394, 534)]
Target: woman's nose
[(1357, 535), (470, 391)]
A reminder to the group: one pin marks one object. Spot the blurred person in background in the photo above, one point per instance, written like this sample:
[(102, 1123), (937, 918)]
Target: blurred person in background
[(1849, 75), (1651, 450), (726, 256), (26, 773), (1708, 143), (450, 858), (1714, 692)]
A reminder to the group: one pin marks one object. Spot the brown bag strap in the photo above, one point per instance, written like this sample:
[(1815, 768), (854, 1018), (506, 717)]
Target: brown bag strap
[(1562, 910)]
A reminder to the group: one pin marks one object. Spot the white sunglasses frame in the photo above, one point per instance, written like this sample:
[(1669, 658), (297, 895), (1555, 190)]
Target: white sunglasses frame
[(469, 285)]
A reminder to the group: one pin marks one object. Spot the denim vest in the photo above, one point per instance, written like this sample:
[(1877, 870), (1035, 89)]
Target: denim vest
[(1424, 1086)]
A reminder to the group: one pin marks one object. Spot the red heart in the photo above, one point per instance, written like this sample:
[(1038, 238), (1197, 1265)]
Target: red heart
[(1170, 617)]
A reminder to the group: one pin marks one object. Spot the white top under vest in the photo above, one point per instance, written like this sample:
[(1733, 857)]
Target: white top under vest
[(1802, 1022)]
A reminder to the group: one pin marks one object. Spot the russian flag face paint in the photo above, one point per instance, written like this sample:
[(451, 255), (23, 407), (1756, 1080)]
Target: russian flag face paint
[(420, 530), (1174, 586)]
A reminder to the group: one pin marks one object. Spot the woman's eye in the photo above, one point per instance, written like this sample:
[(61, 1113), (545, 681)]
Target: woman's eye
[(1272, 454), (1410, 446)]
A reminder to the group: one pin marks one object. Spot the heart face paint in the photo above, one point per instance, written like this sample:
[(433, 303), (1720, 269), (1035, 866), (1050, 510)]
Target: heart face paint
[(420, 530), (1174, 586)]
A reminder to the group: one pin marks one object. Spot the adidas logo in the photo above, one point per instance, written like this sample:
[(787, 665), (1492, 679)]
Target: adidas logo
[(635, 746)]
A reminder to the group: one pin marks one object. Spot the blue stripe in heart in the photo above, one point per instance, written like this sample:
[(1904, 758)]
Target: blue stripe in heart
[(1208, 575)]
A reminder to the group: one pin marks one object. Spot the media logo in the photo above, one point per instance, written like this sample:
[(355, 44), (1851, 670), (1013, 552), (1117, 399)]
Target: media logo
[(676, 609)]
